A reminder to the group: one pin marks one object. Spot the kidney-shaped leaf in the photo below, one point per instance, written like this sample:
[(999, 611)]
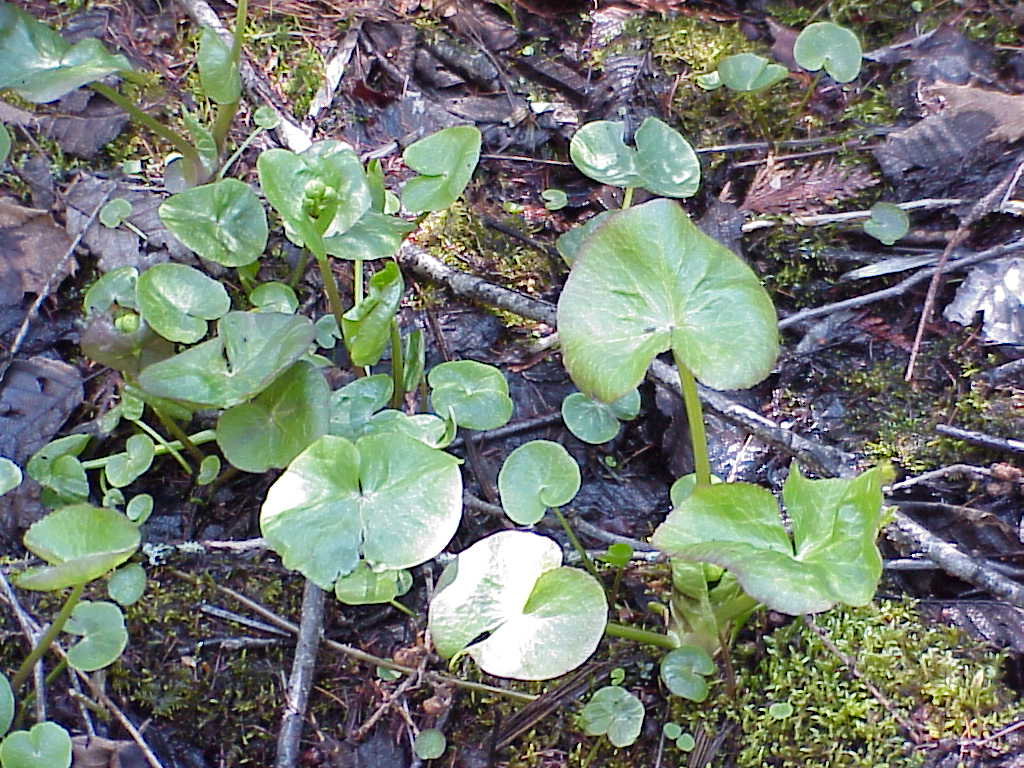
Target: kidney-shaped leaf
[(218, 72), (888, 223), (41, 66), (665, 160), (251, 350), (354, 404), (476, 392), (389, 497), (101, 626), (286, 417), (683, 670), (829, 46), (223, 222), (831, 559), (127, 584), (366, 327), (599, 150), (444, 161), (615, 712), (375, 236), (749, 72), (535, 476), (364, 586), (47, 745), (540, 620), (123, 468), (595, 422), (177, 300), (81, 543), (648, 280)]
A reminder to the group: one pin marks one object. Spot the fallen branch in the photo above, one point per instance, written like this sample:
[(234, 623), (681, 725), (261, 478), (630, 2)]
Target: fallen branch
[(980, 438), (296, 697)]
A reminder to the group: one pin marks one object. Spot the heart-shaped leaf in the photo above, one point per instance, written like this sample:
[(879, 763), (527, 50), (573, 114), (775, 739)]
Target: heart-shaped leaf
[(223, 221), (888, 223), (47, 745), (831, 559), (595, 422), (141, 505), (683, 671), (648, 280), (829, 46), (599, 150), (319, 193), (749, 72), (81, 543), (115, 287), (568, 245), (540, 620), (104, 637), (425, 427), (251, 350), (218, 71), (177, 300), (114, 212), (56, 467), (445, 162), (6, 704), (127, 584), (476, 392), (365, 587), (10, 475), (354, 404), (387, 497), (286, 417), (374, 236), (41, 66), (366, 327), (615, 712), (536, 476), (275, 297), (123, 468)]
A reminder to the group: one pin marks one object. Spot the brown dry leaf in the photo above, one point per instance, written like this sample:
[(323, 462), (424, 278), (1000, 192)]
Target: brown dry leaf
[(97, 752), (1006, 108), (803, 189), (32, 245)]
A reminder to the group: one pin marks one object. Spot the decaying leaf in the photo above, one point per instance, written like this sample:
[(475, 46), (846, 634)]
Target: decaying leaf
[(1006, 108), (803, 189), (996, 289), (32, 245)]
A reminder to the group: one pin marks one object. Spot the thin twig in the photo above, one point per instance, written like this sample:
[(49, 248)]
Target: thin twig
[(821, 219), (980, 438), (296, 697), (938, 474)]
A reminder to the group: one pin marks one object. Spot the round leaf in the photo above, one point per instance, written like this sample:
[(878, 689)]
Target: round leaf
[(218, 72), (683, 671), (538, 620), (209, 468), (365, 587), (265, 117), (615, 712), (648, 280), (274, 297), (590, 420), (223, 222), (780, 710), (749, 72), (140, 508), (445, 161), (177, 300), (47, 745), (354, 404), (535, 476), (389, 497), (286, 417), (600, 152), (127, 584), (888, 223), (476, 392), (114, 212), (104, 637), (430, 744), (672, 731), (6, 704), (686, 742), (665, 160), (374, 236), (115, 287), (10, 475), (554, 199), (829, 46), (124, 468)]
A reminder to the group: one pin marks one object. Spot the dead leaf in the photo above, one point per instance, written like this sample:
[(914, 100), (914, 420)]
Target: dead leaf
[(803, 189), (97, 752), (1006, 108), (996, 289), (33, 246)]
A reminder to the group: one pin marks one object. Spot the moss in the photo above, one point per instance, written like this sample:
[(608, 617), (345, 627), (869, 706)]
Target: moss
[(934, 677), (289, 57)]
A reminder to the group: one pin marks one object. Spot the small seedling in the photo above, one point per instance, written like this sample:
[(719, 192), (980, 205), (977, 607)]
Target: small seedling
[(613, 712), (684, 669), (554, 199), (828, 46), (888, 223), (595, 422), (744, 72), (429, 744)]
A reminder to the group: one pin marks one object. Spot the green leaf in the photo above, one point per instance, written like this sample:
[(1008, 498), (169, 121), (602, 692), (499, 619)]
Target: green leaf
[(888, 223), (599, 150), (209, 468), (615, 712), (686, 742), (203, 141), (780, 710), (5, 144), (124, 468), (104, 637), (365, 587), (10, 475), (127, 584), (55, 466), (554, 199), (141, 507), (41, 66), (595, 422), (327, 331), (710, 81), (218, 71), (568, 245), (366, 327), (265, 117), (672, 731), (832, 557), (389, 498), (81, 543), (319, 193), (429, 744), (538, 620), (749, 72), (223, 221), (665, 160), (114, 212), (115, 287), (374, 236), (829, 46), (536, 476), (414, 355), (354, 404), (476, 392), (618, 555), (47, 745), (425, 427), (177, 300), (683, 671), (6, 704), (274, 297), (286, 417), (445, 161), (647, 281), (252, 350)]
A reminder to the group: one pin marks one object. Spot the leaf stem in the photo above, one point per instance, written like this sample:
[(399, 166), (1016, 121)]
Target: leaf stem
[(171, 426), (695, 417), (397, 366), (574, 540), (199, 438), (627, 198), (160, 440), (44, 643), (644, 636)]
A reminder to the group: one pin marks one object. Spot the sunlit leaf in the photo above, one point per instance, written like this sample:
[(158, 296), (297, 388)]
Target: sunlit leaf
[(104, 637), (828, 46), (536, 476), (177, 300), (445, 162), (476, 392)]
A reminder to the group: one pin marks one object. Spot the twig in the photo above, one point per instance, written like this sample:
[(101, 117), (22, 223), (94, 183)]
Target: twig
[(984, 206), (941, 472), (296, 697), (980, 438), (32, 631), (838, 218), (1004, 372), (245, 621), (513, 428)]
